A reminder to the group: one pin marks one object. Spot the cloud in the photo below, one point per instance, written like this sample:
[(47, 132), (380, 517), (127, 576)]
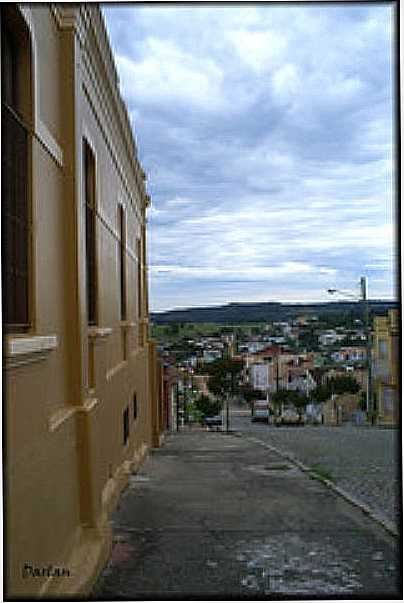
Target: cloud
[(167, 74), (258, 49), (266, 132)]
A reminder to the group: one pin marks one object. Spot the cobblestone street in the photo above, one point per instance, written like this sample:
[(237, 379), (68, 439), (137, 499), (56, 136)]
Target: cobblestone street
[(363, 461)]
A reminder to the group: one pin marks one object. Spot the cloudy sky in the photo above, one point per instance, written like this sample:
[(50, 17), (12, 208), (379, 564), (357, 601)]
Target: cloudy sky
[(266, 132)]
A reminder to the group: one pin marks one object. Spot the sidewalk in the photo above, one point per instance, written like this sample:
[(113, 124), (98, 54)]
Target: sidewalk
[(216, 515)]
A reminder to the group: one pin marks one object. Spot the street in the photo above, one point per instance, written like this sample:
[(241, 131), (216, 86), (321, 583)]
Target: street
[(217, 515), (363, 461)]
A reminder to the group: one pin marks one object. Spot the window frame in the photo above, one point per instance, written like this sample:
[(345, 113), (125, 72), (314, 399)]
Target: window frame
[(139, 277), (135, 406), (89, 179), (122, 277), (126, 425), (16, 215)]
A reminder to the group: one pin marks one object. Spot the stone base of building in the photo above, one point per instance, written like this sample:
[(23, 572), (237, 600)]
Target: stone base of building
[(92, 546), (89, 556)]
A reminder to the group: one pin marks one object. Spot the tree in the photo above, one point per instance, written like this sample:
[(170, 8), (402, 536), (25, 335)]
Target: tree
[(290, 396), (342, 385), (308, 338), (207, 407), (334, 385), (223, 376), (320, 394), (249, 393), (300, 401)]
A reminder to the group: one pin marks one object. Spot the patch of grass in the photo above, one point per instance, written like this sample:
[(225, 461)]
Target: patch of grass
[(322, 473)]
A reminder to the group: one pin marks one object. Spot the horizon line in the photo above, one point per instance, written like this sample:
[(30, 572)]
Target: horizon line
[(290, 303)]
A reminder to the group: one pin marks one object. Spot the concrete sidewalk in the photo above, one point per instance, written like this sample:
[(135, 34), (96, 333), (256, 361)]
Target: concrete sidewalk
[(215, 515)]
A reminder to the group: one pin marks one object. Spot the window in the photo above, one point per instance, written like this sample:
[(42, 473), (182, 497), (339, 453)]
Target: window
[(125, 425), (122, 260), (388, 399), (15, 209), (382, 348), (139, 279), (134, 406), (90, 217)]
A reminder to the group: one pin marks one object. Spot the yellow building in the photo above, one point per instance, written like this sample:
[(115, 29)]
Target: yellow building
[(385, 368), (82, 381)]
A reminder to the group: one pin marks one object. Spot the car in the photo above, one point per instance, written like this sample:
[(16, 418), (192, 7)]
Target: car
[(260, 411), (289, 417), (213, 421), (260, 414)]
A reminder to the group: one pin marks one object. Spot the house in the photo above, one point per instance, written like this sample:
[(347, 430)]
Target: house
[(300, 379), (83, 382), (259, 376), (200, 383), (329, 337), (385, 367), (211, 355), (340, 409), (349, 354)]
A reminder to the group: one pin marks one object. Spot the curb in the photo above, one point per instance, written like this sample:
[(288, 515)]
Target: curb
[(384, 523)]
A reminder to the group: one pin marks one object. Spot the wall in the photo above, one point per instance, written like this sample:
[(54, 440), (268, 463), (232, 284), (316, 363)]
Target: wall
[(385, 368), (67, 385)]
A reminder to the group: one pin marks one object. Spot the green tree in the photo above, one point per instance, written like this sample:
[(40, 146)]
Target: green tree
[(290, 396), (207, 407), (320, 394), (308, 339), (342, 385), (249, 394), (224, 376), (335, 385)]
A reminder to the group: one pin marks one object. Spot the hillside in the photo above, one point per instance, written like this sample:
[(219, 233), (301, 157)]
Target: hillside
[(267, 311)]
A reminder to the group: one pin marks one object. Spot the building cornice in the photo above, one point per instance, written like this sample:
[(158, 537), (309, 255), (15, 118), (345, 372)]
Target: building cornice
[(96, 34), (87, 22)]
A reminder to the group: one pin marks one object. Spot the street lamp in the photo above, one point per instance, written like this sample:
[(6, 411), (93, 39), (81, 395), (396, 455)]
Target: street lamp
[(363, 297)]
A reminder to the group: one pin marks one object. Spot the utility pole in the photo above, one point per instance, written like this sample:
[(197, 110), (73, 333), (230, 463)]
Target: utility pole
[(364, 298)]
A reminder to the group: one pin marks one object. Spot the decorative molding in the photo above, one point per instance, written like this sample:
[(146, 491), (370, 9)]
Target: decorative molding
[(49, 143), (115, 370), (99, 332), (100, 66), (102, 115), (88, 405), (60, 416), (126, 324), (66, 16), (112, 231), (27, 349)]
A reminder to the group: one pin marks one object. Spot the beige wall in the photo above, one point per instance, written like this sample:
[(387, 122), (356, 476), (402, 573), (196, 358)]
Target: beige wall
[(67, 385), (386, 386)]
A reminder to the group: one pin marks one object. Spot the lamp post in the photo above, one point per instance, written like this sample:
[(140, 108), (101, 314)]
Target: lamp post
[(364, 298)]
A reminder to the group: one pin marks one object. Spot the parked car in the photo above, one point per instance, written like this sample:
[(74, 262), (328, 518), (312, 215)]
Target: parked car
[(260, 411), (289, 417), (214, 421)]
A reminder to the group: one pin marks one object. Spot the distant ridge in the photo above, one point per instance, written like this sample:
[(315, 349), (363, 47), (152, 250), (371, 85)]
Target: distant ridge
[(266, 311)]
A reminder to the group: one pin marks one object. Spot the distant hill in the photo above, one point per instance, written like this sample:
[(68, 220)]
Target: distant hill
[(267, 311)]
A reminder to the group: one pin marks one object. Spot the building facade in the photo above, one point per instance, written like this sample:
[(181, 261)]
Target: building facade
[(385, 367), (83, 384)]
